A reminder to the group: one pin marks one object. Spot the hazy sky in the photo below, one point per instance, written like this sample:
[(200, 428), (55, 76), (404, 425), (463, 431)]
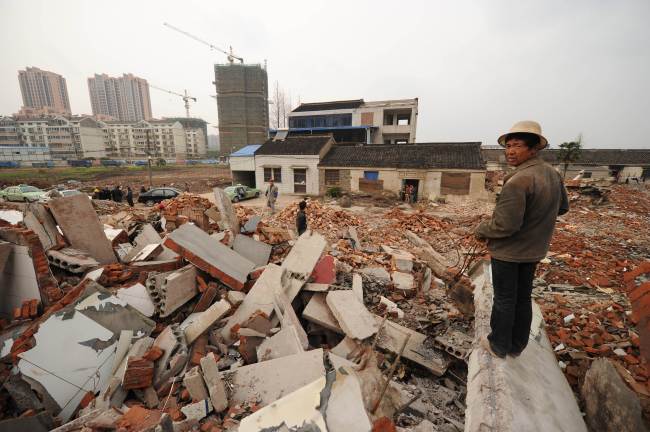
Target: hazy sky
[(476, 66)]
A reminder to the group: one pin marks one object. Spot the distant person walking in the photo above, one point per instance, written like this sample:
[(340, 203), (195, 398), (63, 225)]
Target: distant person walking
[(129, 195), (301, 217), (271, 195), (519, 234), (143, 189), (117, 194)]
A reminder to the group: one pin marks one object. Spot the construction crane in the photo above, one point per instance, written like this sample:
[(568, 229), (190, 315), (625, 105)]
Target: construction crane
[(231, 55), (186, 98)]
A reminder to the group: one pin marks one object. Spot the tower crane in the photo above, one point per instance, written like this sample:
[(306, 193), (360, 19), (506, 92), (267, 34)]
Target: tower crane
[(186, 98), (231, 55)]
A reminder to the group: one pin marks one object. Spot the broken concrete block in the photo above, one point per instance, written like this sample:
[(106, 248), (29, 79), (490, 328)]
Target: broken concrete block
[(316, 287), (378, 273), (206, 319), (301, 260), (391, 338), (317, 311), (609, 404), (72, 260), (78, 220), (138, 373), (345, 405), (346, 348), (426, 253), (197, 247), (353, 317), (289, 317), (39, 220), (253, 250), (193, 382), (19, 281), (292, 412), (235, 297), (270, 380), (454, 342), (403, 281), (226, 210), (172, 341), (213, 214), (138, 297), (251, 225), (325, 271), (357, 286), (284, 343), (148, 253), (260, 298), (147, 235), (216, 387), (63, 361), (197, 410), (176, 289), (401, 260), (391, 307), (123, 346)]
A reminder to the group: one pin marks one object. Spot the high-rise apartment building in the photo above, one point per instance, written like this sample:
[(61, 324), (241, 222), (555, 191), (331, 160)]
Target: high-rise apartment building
[(44, 90), (243, 105), (125, 98)]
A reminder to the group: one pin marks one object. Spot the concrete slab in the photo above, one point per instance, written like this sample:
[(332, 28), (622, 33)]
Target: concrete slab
[(18, 281), (39, 220), (270, 380), (297, 410), (194, 384), (527, 393), (138, 297), (148, 253), (216, 387), (148, 235), (5, 250), (417, 350), (284, 343), (403, 281), (251, 225), (260, 298), (352, 315), (206, 319), (318, 312), (345, 405), (316, 287), (197, 247), (113, 313), (254, 250), (198, 410), (235, 297), (301, 260), (378, 273), (357, 286), (228, 215), (78, 220), (64, 362)]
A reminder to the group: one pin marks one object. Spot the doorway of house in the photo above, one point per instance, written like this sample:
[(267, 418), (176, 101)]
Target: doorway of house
[(415, 184)]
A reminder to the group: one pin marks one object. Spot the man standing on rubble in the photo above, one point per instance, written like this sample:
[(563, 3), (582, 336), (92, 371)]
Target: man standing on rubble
[(271, 195), (301, 217), (519, 234)]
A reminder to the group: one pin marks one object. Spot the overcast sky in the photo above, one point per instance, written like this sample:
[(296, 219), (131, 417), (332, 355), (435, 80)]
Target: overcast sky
[(476, 66)]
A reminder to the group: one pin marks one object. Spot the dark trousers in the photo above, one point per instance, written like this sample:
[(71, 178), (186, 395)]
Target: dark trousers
[(512, 310)]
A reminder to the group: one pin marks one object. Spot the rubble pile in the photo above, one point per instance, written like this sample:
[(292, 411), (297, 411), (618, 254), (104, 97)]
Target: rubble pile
[(127, 323), (319, 217)]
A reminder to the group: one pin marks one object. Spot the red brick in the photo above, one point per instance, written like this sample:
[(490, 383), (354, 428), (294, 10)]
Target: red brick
[(138, 373), (153, 354)]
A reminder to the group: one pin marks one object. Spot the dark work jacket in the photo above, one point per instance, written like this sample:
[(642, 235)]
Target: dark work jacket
[(301, 222), (523, 221)]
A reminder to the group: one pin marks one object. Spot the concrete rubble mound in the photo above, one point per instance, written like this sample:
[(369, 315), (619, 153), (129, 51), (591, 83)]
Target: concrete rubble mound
[(199, 315)]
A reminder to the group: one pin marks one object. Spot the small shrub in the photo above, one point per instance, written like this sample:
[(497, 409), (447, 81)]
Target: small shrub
[(334, 192)]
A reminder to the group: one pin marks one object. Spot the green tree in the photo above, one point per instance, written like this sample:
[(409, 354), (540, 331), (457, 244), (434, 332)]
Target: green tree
[(569, 153)]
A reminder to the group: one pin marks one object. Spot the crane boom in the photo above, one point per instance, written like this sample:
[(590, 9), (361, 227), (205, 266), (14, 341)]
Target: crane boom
[(186, 98), (231, 55)]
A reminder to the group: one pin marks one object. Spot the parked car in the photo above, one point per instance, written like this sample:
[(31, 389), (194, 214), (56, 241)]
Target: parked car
[(157, 195), (81, 163), (239, 192), (55, 193), (22, 192), (9, 164)]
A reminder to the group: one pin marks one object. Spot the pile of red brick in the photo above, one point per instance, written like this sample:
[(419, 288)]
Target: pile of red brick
[(319, 217), (186, 207)]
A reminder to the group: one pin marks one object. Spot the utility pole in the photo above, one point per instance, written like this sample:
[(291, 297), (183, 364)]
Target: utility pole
[(149, 158)]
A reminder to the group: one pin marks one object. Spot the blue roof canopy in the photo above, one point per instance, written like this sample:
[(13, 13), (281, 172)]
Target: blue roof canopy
[(249, 150)]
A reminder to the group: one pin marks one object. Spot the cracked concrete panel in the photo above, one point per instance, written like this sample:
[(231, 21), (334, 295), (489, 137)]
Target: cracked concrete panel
[(272, 379), (138, 297), (226, 210), (352, 315), (80, 225), (256, 251), (296, 410), (65, 367), (345, 405), (114, 314), (302, 259), (18, 280)]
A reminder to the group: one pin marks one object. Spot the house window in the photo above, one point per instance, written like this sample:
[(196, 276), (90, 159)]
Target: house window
[(273, 173), (300, 180), (388, 119), (332, 177), (371, 175), (403, 119)]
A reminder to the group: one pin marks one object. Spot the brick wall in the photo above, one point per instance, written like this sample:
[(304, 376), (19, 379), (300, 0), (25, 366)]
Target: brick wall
[(344, 181)]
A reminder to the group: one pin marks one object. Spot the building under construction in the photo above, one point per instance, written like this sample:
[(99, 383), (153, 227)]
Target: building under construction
[(242, 101)]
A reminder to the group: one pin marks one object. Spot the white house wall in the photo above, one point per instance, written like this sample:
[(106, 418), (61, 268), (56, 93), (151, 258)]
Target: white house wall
[(286, 163), (242, 163)]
